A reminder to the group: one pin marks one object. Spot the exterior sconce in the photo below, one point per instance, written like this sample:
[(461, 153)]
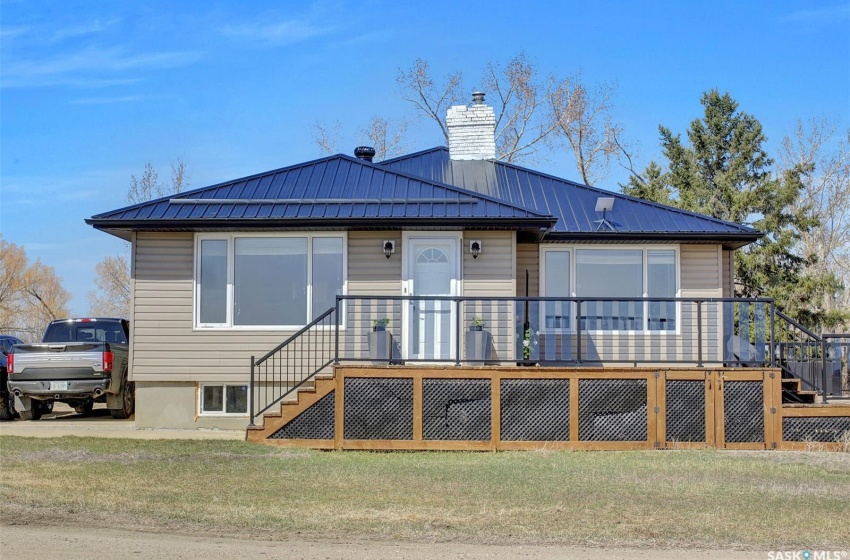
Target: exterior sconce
[(389, 248), (475, 248)]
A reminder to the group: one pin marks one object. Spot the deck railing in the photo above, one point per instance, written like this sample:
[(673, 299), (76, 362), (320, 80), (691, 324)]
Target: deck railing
[(549, 331), (557, 331), (292, 363)]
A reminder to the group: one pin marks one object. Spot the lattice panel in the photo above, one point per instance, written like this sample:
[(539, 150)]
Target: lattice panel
[(535, 409), (379, 409), (685, 411), (317, 422), (823, 429), (743, 405), (612, 410), (456, 409)]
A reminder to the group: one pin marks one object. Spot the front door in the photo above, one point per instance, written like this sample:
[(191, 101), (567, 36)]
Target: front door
[(432, 270)]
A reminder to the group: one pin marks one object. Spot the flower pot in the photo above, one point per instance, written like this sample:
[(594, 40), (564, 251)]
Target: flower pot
[(478, 345), (380, 345)]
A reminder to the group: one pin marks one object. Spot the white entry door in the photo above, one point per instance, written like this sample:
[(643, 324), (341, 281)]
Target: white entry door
[(432, 266)]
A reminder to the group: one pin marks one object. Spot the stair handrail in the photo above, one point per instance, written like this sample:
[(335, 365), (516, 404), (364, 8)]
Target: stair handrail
[(277, 349), (816, 339)]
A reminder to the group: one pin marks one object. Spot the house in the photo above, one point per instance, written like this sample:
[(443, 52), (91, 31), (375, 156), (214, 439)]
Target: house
[(267, 288)]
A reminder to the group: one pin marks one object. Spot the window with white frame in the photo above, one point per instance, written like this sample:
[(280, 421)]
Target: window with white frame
[(223, 399), (271, 281), (604, 275)]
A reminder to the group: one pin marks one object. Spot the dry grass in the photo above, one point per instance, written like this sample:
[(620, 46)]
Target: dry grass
[(768, 500)]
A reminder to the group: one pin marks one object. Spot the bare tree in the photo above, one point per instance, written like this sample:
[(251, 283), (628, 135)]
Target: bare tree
[(386, 137), (522, 121), (148, 186), (584, 119), (112, 296), (818, 147), (326, 136), (431, 100), (32, 295), (532, 110)]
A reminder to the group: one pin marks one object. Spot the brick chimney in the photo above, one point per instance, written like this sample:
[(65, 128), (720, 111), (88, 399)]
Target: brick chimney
[(472, 130)]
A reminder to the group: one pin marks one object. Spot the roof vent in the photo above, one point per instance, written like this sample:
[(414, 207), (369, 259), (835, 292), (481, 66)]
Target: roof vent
[(366, 153), (478, 98)]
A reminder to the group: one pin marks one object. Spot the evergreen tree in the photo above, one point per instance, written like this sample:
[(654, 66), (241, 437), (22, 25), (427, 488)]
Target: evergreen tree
[(724, 171), (652, 185)]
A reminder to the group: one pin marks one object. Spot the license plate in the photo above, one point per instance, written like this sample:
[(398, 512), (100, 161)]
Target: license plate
[(58, 385)]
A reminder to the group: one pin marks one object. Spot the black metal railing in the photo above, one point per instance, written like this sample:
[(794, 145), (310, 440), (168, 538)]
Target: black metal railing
[(549, 331), (555, 331), (837, 363), (292, 363)]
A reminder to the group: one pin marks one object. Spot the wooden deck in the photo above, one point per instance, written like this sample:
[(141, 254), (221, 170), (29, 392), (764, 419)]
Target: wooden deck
[(495, 408)]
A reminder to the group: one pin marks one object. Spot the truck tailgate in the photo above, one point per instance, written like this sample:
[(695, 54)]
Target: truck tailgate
[(76, 360)]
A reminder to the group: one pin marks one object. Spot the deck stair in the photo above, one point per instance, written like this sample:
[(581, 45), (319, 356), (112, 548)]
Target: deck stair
[(291, 407), (793, 392)]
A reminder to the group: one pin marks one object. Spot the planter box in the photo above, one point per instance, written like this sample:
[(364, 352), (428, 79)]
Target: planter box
[(381, 346), (478, 345)]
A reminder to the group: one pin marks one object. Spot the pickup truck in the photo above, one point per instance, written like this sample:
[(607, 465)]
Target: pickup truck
[(79, 362)]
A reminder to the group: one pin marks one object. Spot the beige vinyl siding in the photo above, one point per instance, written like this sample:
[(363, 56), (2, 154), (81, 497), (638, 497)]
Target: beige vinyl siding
[(371, 273), (165, 345), (728, 273), (701, 271), (528, 258), (492, 274)]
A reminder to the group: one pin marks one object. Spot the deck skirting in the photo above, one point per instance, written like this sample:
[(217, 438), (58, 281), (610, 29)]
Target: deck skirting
[(485, 408)]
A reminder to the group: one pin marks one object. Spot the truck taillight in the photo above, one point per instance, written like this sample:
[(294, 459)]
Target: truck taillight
[(107, 361), (10, 363)]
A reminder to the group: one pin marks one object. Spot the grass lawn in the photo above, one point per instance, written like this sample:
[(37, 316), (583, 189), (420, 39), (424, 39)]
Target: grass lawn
[(766, 500)]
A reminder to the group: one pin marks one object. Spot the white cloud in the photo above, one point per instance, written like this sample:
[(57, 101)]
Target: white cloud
[(109, 100), (88, 66), (282, 33), (12, 32), (830, 14), (90, 28)]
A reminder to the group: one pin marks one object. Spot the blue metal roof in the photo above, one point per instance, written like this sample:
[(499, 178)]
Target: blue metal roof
[(337, 191), (573, 204)]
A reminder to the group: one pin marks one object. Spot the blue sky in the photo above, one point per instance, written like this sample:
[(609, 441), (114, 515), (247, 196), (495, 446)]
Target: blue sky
[(91, 91)]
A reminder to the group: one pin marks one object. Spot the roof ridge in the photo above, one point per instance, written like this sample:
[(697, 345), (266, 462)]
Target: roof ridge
[(625, 196), (184, 194), (344, 157), (413, 155)]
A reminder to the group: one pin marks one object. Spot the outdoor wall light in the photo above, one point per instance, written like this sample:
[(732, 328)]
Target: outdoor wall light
[(475, 248), (389, 248)]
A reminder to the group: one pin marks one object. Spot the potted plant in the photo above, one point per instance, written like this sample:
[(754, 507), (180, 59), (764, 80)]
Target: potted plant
[(478, 342), (380, 341), (529, 346)]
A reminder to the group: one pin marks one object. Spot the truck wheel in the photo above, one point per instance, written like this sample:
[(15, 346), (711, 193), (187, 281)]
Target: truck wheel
[(34, 413), (7, 407), (46, 407), (84, 408), (128, 400)]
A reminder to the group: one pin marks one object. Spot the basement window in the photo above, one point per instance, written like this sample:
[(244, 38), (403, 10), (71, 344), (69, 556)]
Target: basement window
[(223, 400)]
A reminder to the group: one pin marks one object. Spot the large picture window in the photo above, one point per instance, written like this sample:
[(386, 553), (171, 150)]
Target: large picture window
[(606, 274), (267, 281)]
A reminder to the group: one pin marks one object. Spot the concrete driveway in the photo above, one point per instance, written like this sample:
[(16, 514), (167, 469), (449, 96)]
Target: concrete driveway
[(63, 421)]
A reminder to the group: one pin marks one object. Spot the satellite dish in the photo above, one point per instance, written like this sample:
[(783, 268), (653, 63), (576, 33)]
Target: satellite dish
[(604, 204)]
